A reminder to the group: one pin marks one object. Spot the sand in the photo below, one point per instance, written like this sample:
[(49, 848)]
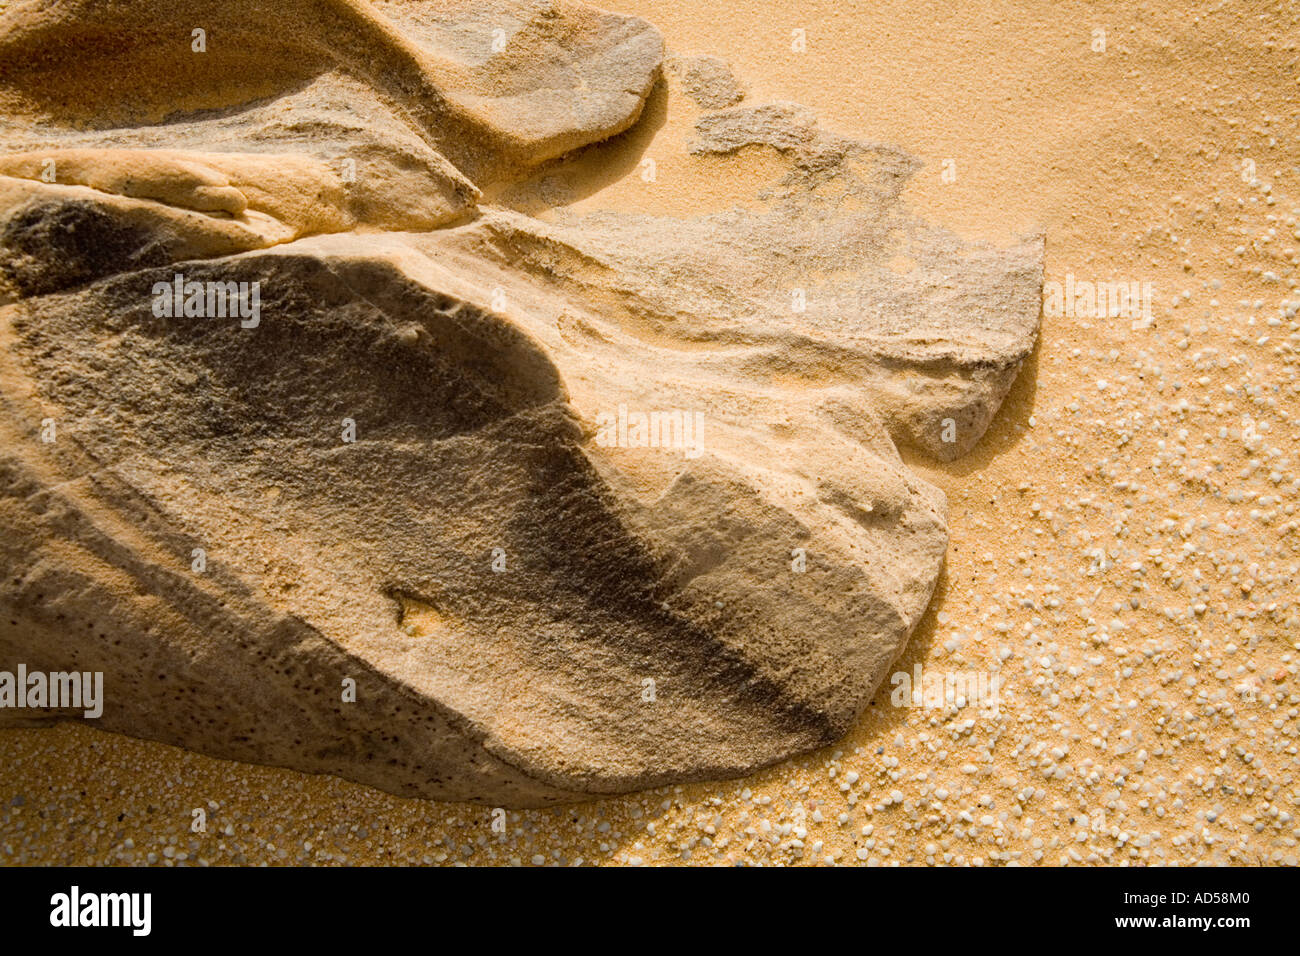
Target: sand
[(1124, 543)]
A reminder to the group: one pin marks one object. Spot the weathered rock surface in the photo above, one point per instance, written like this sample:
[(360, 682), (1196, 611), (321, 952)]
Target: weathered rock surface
[(707, 80), (535, 606)]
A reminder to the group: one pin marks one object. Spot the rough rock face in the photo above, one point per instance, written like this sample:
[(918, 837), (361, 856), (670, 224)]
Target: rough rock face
[(707, 80), (326, 464)]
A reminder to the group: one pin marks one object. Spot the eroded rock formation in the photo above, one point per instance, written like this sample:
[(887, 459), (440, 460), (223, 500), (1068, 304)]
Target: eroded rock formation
[(580, 506)]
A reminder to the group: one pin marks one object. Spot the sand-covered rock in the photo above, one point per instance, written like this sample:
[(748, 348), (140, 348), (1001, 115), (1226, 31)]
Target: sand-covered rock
[(327, 463), (707, 80)]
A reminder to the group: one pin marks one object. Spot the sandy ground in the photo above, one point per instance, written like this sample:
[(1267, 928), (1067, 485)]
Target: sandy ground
[(1124, 541)]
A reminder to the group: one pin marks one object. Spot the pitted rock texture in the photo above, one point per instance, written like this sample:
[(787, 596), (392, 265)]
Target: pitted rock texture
[(707, 80), (582, 505)]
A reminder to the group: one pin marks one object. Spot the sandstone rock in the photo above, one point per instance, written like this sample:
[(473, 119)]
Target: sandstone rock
[(707, 80), (492, 85), (578, 507)]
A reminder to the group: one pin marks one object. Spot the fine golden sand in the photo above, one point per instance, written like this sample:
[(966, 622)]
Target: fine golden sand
[(1124, 539)]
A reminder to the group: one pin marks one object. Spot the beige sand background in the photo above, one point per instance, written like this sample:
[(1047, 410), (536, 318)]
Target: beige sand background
[(1124, 542)]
